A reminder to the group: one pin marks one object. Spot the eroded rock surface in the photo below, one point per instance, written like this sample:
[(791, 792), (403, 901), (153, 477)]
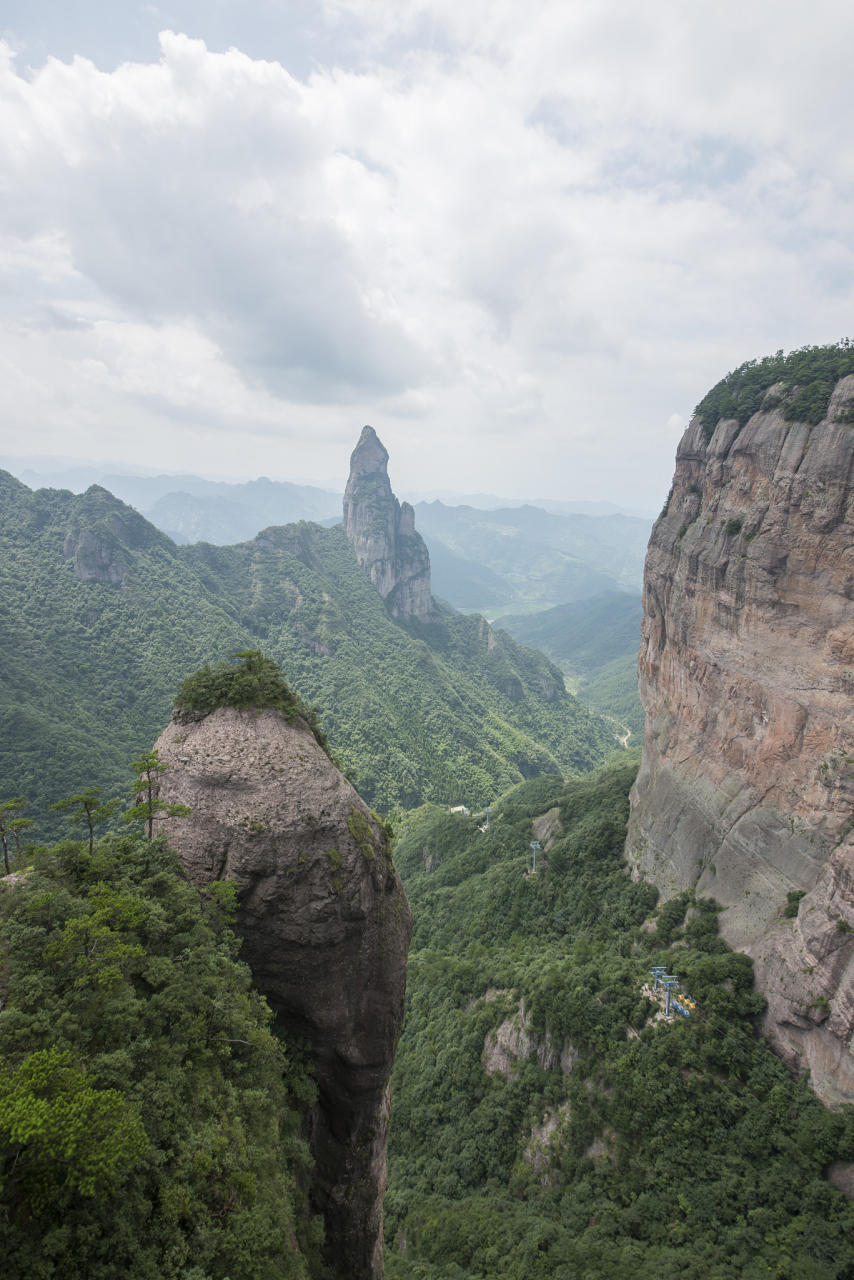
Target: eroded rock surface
[(746, 788), (513, 1041), (547, 828), (382, 533), (325, 926), (102, 536)]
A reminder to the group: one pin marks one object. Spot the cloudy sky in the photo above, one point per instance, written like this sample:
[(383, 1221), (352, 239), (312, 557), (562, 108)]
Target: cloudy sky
[(521, 240)]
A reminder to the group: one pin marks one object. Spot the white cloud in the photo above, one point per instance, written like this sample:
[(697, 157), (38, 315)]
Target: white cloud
[(511, 239)]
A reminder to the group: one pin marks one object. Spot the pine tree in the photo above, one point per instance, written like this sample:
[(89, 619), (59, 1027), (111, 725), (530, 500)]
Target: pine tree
[(150, 768), (10, 824), (88, 810)]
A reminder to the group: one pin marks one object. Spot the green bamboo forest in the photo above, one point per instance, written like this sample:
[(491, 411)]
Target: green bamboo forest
[(546, 1121)]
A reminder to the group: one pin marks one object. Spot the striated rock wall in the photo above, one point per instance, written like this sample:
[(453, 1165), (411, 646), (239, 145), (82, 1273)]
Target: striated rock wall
[(325, 926), (382, 533), (746, 787)]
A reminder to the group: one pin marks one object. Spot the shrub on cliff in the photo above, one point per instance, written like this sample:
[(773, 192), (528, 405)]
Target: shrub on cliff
[(149, 1118), (255, 681)]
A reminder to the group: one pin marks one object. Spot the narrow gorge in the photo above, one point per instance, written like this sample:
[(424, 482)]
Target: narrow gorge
[(746, 787)]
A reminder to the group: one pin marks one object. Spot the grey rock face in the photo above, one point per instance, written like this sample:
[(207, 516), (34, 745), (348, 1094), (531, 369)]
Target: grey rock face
[(325, 927), (94, 558), (382, 533), (746, 787), (102, 536)]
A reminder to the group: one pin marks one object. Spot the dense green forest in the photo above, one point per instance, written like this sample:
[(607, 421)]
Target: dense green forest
[(612, 691), (804, 381), (150, 1117), (606, 1142), (595, 642), (546, 1121), (104, 616)]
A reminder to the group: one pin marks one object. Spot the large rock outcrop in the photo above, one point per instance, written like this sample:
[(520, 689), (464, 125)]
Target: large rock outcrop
[(325, 926), (102, 536), (746, 788), (382, 533)]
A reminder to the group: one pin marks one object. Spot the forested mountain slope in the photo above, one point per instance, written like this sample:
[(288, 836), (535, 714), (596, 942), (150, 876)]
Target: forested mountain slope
[(595, 642), (103, 616), (546, 1120)]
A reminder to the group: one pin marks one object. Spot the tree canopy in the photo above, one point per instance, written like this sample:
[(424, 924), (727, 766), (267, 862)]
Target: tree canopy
[(806, 379), (149, 1115), (607, 1142)]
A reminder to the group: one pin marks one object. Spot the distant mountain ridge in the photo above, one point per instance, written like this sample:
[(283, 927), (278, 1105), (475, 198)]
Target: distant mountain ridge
[(104, 614), (192, 509), (487, 554), (543, 558), (557, 506)]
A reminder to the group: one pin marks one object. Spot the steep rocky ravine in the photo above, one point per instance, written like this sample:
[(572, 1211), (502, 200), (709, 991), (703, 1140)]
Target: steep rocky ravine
[(325, 926), (746, 789)]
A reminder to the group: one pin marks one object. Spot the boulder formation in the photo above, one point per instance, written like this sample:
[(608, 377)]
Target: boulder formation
[(382, 533), (746, 787), (325, 926)]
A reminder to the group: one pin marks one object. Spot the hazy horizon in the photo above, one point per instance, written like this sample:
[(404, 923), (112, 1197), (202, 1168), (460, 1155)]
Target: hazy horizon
[(522, 244)]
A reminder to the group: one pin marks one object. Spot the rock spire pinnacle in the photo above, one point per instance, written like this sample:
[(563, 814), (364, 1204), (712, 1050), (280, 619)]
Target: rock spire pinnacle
[(382, 533)]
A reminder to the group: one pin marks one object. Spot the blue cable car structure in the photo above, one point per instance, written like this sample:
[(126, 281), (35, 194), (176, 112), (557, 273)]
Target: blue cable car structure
[(680, 1003)]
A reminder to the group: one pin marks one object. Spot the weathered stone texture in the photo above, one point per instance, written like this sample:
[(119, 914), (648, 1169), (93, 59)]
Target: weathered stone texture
[(382, 533), (325, 926), (746, 788)]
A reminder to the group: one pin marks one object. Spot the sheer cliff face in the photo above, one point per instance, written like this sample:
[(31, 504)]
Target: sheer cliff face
[(382, 533), (325, 927), (746, 788)]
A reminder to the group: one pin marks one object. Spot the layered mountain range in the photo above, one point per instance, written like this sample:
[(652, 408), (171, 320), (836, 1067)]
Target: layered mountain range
[(746, 788), (104, 615)]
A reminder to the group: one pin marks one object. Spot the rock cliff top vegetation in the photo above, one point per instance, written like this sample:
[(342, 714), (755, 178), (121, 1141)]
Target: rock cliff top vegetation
[(802, 382), (253, 680)]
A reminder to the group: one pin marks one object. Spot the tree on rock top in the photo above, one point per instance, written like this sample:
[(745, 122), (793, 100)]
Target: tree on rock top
[(250, 680)]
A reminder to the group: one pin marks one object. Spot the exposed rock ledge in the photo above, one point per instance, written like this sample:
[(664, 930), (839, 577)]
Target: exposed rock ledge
[(325, 926), (746, 788)]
